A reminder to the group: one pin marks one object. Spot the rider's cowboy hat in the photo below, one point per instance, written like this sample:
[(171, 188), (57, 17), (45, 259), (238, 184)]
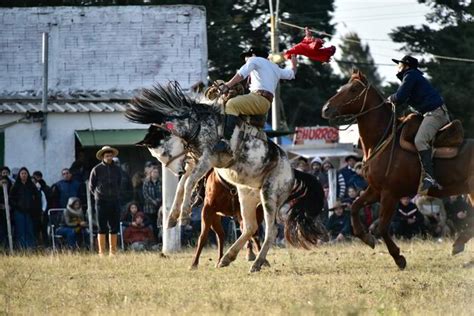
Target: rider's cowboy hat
[(106, 149), (411, 62), (259, 52)]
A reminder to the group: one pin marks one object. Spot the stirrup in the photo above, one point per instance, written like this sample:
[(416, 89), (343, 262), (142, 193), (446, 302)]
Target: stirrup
[(427, 183)]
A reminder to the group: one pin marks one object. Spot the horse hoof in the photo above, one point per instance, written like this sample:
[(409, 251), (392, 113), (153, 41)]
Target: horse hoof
[(172, 223), (251, 256), (225, 262), (266, 263), (255, 268), (401, 262), (370, 240), (193, 267), (457, 248)]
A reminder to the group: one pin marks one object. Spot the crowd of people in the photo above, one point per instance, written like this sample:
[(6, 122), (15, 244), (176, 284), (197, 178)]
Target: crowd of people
[(138, 200), (419, 215), (134, 201)]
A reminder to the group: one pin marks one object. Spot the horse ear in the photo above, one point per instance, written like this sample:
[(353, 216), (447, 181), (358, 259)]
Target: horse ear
[(355, 71)]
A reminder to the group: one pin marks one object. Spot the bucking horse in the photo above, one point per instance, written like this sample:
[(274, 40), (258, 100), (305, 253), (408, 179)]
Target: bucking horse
[(258, 168)]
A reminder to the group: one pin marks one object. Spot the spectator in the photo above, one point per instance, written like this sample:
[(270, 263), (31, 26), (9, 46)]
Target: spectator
[(126, 187), (138, 236), (339, 224), (301, 164), (316, 170), (104, 183), (341, 183), (3, 218), (137, 184), (357, 180), (74, 226), (65, 189), (37, 176), (40, 223), (152, 195), (128, 215), (435, 215), (25, 200), (352, 195), (459, 214), (348, 171), (7, 173), (78, 169), (407, 220)]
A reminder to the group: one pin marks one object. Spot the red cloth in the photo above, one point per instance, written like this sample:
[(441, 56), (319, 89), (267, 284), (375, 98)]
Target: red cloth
[(135, 234), (313, 49)]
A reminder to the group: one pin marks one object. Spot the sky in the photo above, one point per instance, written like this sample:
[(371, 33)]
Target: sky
[(373, 20)]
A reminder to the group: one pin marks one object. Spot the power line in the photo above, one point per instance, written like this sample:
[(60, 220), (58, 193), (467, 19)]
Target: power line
[(356, 41)]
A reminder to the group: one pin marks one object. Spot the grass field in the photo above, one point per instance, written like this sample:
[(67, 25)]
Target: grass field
[(344, 279)]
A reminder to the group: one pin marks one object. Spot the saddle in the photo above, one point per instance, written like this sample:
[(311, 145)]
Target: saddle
[(446, 143)]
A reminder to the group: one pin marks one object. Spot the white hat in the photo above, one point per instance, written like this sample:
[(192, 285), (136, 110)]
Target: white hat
[(316, 159)]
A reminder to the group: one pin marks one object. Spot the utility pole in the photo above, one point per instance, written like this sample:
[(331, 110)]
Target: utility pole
[(276, 104), (45, 60)]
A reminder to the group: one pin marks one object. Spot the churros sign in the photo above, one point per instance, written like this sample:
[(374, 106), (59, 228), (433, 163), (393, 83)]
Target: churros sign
[(315, 134)]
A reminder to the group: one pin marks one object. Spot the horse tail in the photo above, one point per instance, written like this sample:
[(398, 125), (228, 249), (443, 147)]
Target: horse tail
[(303, 226)]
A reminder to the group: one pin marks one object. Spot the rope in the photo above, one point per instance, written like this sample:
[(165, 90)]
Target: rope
[(468, 60)]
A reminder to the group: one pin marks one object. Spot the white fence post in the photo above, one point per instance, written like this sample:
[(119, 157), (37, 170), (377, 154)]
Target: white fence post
[(89, 217), (7, 214), (332, 182), (171, 236)]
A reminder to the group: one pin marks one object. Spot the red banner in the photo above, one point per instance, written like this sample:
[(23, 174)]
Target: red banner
[(305, 135)]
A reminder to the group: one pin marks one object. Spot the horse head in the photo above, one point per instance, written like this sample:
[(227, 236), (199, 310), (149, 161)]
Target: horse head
[(166, 147), (350, 98)]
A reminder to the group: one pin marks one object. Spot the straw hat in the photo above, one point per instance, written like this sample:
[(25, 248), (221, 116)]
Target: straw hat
[(106, 149)]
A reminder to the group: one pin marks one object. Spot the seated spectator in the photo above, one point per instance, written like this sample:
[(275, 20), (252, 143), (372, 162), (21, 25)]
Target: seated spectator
[(435, 215), (357, 180), (130, 211), (339, 224), (459, 214), (74, 228), (348, 170), (407, 220), (138, 236), (352, 194)]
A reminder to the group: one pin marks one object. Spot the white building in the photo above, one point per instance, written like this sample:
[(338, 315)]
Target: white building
[(98, 58)]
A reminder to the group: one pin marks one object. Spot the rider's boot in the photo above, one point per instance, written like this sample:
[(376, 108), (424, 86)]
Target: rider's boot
[(223, 146), (427, 180)]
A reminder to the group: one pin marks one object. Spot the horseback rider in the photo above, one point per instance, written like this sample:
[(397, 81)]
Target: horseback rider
[(264, 76), (419, 93)]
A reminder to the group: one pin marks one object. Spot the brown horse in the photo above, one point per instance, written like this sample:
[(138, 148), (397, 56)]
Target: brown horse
[(220, 199), (392, 170)]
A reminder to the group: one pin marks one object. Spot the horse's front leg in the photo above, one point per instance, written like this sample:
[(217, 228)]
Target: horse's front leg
[(201, 169), (178, 199), (388, 204), (369, 197), (248, 199)]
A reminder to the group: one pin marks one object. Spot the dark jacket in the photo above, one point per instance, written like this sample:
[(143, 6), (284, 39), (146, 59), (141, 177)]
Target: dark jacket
[(64, 190), (417, 92), (25, 198), (339, 225), (105, 182), (403, 213)]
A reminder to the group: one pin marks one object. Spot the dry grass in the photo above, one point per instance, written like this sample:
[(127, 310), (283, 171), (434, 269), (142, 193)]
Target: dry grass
[(345, 279)]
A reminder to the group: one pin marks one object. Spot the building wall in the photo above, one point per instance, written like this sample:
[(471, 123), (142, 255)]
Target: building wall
[(103, 48), (24, 146)]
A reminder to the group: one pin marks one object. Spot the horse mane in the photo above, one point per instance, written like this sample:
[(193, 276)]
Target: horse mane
[(163, 102)]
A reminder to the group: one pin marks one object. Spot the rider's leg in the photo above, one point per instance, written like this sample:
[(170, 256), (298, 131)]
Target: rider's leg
[(430, 125), (249, 104)]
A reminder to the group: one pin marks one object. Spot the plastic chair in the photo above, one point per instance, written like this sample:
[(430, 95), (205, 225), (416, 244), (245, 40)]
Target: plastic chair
[(55, 218)]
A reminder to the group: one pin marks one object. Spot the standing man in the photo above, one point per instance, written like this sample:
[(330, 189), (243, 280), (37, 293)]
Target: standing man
[(104, 183), (264, 76), (420, 94)]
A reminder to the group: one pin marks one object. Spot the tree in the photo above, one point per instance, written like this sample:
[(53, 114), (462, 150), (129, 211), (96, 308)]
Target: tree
[(453, 36), (356, 55)]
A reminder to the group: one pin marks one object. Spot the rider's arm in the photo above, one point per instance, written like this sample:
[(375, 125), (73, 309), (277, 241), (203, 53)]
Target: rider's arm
[(242, 73), (289, 73), (405, 89), (235, 79)]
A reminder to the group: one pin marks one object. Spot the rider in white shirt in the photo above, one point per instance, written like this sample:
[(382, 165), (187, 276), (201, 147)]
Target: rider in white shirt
[(264, 76)]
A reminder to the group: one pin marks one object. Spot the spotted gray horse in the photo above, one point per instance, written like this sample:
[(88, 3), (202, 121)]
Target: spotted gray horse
[(259, 169)]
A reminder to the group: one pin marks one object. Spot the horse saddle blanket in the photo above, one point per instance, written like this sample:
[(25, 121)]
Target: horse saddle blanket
[(446, 143)]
